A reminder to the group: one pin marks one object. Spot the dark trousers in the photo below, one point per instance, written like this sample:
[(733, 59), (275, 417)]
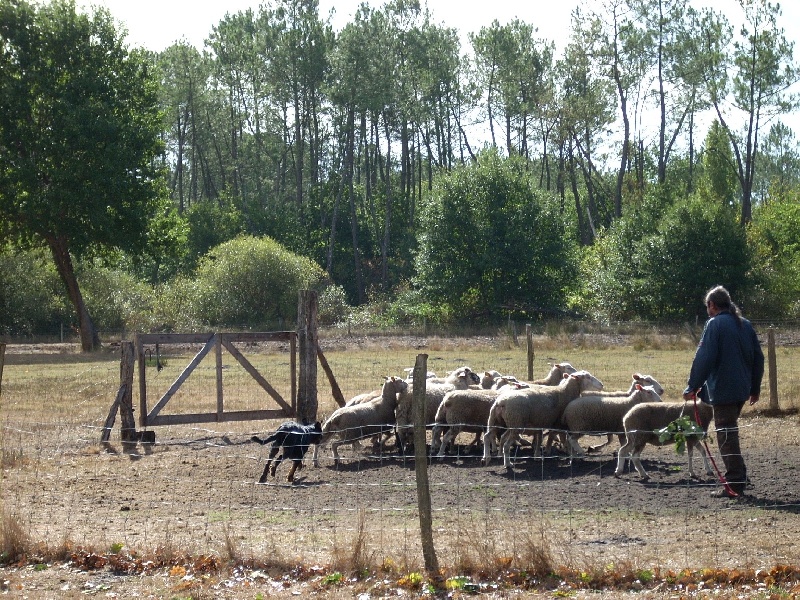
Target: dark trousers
[(726, 422)]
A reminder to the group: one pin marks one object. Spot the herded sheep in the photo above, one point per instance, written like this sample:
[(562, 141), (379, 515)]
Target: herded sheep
[(359, 399), (643, 421), (488, 379), (592, 413), (294, 439), (556, 374), (410, 374), (637, 378), (460, 379), (466, 410), (359, 421), (532, 410)]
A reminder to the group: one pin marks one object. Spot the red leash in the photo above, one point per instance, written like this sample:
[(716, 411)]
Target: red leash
[(721, 477)]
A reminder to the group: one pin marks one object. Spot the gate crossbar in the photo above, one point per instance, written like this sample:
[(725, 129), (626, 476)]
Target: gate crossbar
[(217, 341)]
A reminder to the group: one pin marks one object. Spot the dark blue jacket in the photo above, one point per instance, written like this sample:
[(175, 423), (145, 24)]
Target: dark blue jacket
[(729, 360)]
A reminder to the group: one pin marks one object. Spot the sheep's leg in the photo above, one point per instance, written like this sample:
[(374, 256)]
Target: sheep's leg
[(507, 439), (622, 456), (575, 448), (335, 450), (598, 447), (637, 462), (491, 432), (322, 441), (275, 465), (436, 438), (477, 441), (444, 444), (552, 436), (706, 461), (383, 437), (703, 453)]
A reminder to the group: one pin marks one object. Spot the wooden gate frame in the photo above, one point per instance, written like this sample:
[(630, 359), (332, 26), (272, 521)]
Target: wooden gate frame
[(216, 341)]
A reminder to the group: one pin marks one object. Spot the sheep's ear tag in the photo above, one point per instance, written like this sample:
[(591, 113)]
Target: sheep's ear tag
[(639, 386)]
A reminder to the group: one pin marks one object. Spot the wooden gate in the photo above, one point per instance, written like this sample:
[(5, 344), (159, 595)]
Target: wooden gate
[(217, 341)]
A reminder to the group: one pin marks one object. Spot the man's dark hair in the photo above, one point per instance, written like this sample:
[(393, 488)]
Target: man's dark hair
[(722, 300)]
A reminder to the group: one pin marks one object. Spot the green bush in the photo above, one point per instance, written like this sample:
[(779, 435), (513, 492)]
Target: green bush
[(252, 282), (333, 307), (32, 298), (175, 308), (116, 300)]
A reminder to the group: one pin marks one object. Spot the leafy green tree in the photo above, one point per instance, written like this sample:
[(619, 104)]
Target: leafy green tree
[(492, 244), (210, 224), (513, 63), (779, 171), (754, 79), (252, 282), (586, 111), (718, 180), (614, 283), (774, 235), (79, 138), (697, 245), (186, 104), (120, 301)]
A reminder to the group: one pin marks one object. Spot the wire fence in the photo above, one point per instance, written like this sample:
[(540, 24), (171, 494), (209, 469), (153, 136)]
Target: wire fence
[(195, 490)]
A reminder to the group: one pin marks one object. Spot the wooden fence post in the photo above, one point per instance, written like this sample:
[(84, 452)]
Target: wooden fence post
[(124, 399), (126, 368), (531, 353), (2, 362), (421, 466), (307, 346), (773, 370)]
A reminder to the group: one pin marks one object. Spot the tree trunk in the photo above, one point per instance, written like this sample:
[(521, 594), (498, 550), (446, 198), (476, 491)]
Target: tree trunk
[(90, 339)]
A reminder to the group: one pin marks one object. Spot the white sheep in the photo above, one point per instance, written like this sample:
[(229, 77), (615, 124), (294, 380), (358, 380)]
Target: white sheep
[(556, 374), (637, 378), (488, 379), (410, 374), (378, 440), (643, 421), (460, 379), (358, 421), (532, 410), (595, 413), (468, 411)]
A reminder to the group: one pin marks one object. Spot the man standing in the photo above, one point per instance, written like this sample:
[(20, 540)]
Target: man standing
[(727, 369)]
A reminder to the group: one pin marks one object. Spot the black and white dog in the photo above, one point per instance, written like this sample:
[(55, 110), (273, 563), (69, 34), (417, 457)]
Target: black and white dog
[(294, 439)]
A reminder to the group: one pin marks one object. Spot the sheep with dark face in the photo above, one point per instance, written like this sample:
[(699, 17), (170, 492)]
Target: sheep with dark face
[(373, 417), (643, 421), (530, 411)]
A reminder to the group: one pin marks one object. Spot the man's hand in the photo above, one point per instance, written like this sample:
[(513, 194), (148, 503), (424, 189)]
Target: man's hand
[(754, 398), (689, 394)]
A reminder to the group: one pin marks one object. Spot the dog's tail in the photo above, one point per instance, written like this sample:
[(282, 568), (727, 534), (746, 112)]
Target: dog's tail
[(269, 440)]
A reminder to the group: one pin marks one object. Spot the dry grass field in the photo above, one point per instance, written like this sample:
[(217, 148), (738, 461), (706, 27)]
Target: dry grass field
[(184, 518)]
